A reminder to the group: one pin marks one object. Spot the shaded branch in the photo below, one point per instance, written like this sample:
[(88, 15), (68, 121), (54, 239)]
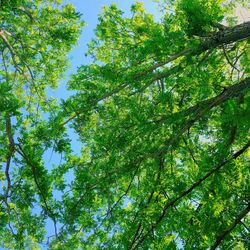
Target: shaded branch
[(232, 136), (123, 195), (228, 60), (12, 52), (226, 36), (201, 109), (33, 168), (190, 151), (237, 221), (188, 191), (26, 12), (11, 150)]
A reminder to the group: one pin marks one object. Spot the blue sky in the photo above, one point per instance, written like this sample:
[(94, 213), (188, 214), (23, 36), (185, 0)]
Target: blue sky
[(90, 11)]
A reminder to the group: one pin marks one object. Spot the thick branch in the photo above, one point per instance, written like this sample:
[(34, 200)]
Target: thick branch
[(226, 36), (201, 109)]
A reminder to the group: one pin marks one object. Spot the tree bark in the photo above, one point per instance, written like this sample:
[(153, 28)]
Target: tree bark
[(226, 36)]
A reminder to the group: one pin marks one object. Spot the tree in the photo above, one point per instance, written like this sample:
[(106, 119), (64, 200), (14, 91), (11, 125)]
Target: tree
[(35, 38), (162, 114)]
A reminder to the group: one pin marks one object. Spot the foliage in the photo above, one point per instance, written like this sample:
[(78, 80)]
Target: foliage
[(199, 17), (161, 112), (36, 37)]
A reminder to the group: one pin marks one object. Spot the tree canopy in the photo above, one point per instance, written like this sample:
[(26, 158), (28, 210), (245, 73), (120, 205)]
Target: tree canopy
[(162, 113)]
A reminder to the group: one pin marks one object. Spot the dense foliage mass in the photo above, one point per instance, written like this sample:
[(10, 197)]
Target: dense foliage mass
[(162, 113)]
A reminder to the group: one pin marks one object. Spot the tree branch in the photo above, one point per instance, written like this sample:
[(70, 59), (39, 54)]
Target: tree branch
[(12, 52), (33, 168), (11, 150), (26, 12), (237, 221), (188, 191), (226, 36), (201, 109)]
